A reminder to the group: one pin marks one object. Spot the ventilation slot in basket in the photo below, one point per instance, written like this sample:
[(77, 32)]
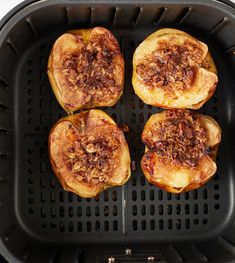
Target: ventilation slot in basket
[(32, 26), (160, 15), (219, 26), (135, 16), (231, 50), (183, 15), (12, 46)]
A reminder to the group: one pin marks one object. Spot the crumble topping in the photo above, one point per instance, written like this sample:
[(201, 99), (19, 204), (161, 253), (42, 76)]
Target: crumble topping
[(180, 138), (170, 66), (91, 69), (92, 158)]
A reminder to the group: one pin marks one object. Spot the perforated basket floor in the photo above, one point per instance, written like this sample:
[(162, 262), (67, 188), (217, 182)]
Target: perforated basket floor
[(39, 221), (133, 212)]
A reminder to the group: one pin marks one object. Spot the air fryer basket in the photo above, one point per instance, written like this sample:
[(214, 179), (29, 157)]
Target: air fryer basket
[(39, 222)]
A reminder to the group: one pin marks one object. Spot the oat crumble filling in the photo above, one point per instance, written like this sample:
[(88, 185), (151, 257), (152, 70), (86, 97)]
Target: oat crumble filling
[(180, 139), (170, 66), (91, 69), (92, 158)]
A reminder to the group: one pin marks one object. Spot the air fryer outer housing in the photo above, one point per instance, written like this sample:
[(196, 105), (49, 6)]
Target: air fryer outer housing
[(39, 221)]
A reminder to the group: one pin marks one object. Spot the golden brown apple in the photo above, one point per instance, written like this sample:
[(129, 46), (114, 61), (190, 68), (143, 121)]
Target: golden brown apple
[(89, 153), (181, 148), (172, 69), (86, 69)]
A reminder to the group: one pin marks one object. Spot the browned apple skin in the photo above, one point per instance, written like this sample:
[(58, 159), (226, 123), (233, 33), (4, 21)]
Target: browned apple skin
[(85, 122), (203, 84), (166, 172), (65, 80)]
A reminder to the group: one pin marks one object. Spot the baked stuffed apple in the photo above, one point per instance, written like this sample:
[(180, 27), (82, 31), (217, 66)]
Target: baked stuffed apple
[(172, 69), (86, 69), (181, 148), (89, 153)]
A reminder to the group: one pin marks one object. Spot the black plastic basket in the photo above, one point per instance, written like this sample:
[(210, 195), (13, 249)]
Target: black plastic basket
[(39, 222)]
